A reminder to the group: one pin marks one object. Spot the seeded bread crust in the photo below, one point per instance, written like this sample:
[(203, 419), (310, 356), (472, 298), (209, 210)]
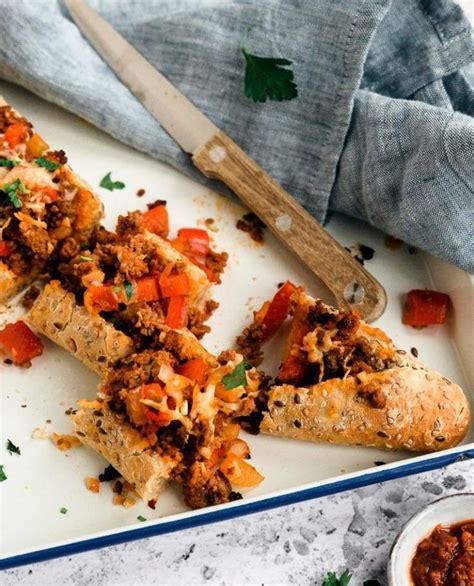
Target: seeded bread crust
[(95, 342), (125, 448), (418, 410)]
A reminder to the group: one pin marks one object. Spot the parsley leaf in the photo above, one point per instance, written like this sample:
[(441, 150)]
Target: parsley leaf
[(63, 510), (266, 77), (3, 476), (7, 163), (237, 377), (332, 579), (107, 183), (47, 164), (12, 448), (141, 518), (128, 289), (12, 189)]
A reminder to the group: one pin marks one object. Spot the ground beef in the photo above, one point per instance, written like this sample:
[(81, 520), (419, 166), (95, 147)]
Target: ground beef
[(37, 239), (59, 156), (216, 263), (30, 297), (251, 224), (131, 265), (197, 317), (250, 343), (130, 224), (69, 248), (201, 488), (8, 117), (462, 570)]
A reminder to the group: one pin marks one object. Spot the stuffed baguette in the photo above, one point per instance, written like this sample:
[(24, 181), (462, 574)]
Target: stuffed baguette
[(43, 203), (159, 418), (343, 381)]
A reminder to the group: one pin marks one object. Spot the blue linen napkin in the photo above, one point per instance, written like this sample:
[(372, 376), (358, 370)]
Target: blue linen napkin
[(382, 128)]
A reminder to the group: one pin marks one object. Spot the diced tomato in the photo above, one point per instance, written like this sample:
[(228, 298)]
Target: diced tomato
[(15, 134), (425, 308), (6, 248), (277, 311), (195, 369), (291, 370), (196, 241), (36, 146), (147, 289), (172, 285), (101, 298), (156, 220), (202, 265), (20, 342), (239, 472), (177, 312)]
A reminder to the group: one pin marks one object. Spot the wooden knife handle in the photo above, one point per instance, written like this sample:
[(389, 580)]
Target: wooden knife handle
[(352, 286)]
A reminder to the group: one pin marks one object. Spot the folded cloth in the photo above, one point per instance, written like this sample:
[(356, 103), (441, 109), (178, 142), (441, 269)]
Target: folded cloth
[(374, 131)]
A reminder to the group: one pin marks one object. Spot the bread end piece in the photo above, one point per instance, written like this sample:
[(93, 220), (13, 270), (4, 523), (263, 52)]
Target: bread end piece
[(95, 342), (125, 448), (398, 409)]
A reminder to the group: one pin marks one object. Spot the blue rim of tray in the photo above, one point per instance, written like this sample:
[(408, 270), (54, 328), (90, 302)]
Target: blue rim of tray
[(245, 508)]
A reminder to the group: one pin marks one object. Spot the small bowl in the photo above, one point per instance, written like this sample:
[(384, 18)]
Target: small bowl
[(448, 510)]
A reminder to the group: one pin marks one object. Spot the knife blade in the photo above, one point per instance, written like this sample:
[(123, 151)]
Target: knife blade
[(217, 156)]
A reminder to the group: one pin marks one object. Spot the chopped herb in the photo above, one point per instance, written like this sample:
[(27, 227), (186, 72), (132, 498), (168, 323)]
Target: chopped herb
[(266, 77), (3, 476), (237, 377), (107, 183), (332, 580), (128, 289), (140, 518), (83, 246), (12, 448), (63, 510), (7, 163), (116, 289), (86, 258), (47, 164), (12, 189)]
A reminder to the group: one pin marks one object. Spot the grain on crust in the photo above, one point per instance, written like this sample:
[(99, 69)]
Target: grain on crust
[(95, 342), (398, 409), (125, 449)]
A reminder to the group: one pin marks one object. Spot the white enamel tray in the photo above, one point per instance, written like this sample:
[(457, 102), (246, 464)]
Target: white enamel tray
[(43, 480)]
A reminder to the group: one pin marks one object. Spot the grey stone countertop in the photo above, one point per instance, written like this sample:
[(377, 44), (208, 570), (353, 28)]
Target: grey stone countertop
[(291, 545)]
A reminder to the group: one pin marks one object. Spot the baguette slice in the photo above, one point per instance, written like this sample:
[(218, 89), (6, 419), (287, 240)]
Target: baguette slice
[(125, 448), (85, 206), (405, 408), (95, 342)]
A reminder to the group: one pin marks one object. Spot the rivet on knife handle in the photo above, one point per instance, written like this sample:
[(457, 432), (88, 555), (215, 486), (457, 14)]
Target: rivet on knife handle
[(350, 283)]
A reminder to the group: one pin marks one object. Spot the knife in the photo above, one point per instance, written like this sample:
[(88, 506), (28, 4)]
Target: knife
[(217, 156)]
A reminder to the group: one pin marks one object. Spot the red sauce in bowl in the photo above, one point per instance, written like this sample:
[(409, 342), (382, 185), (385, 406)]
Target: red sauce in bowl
[(445, 557)]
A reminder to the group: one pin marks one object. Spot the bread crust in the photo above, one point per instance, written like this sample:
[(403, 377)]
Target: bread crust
[(125, 448), (95, 342), (11, 284), (407, 408)]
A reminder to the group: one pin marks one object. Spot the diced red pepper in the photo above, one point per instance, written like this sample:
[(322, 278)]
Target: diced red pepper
[(101, 298), (48, 194), (277, 311), (147, 289), (6, 248), (15, 134), (172, 285), (177, 312), (20, 342), (195, 369), (196, 241), (152, 391), (425, 308), (156, 220)]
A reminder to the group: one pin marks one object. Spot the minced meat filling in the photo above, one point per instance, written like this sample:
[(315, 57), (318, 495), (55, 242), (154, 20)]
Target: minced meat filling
[(333, 347), (128, 389)]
